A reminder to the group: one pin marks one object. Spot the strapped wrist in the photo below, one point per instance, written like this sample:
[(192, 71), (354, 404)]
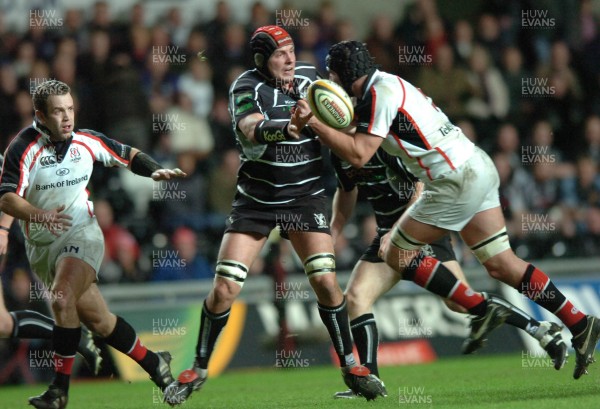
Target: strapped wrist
[(144, 165), (271, 132)]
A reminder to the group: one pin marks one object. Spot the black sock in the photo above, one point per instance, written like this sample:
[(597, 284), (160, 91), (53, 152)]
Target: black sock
[(518, 318), (125, 340), (336, 321), (31, 325), (211, 326), (64, 344), (366, 339)]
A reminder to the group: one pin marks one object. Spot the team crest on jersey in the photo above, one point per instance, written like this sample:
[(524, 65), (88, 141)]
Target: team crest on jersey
[(321, 220), (74, 154)]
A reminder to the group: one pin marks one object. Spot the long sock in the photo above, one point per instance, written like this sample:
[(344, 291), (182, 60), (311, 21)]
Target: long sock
[(211, 326), (125, 340), (366, 339), (336, 322), (538, 287), (430, 273), (31, 325), (64, 343), (518, 318)]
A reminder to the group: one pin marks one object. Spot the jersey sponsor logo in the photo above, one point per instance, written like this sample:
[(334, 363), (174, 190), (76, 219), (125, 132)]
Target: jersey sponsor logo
[(47, 161), (62, 172), (62, 183), (321, 220), (446, 129), (276, 136)]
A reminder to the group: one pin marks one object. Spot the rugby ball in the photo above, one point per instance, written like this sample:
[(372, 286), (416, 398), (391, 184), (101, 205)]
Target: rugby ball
[(330, 103)]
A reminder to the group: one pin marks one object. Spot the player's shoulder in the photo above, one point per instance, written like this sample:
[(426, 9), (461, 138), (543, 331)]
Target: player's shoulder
[(306, 69), (25, 138), (87, 134), (248, 80)]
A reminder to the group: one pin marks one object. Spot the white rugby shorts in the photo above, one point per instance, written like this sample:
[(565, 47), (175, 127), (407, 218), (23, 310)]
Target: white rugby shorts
[(451, 201)]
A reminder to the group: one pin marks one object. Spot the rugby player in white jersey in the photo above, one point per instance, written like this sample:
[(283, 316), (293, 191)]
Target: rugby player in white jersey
[(461, 189), (46, 169)]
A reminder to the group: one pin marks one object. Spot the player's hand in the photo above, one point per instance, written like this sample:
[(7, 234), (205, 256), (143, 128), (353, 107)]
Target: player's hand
[(167, 174), (384, 244), (301, 114), (3, 242), (55, 220)]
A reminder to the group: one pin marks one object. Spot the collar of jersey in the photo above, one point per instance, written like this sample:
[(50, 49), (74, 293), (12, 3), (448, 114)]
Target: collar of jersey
[(368, 83), (44, 131)]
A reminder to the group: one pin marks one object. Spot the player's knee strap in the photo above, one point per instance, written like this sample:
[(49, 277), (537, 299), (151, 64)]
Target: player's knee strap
[(319, 264), (404, 241), (493, 245), (232, 270)]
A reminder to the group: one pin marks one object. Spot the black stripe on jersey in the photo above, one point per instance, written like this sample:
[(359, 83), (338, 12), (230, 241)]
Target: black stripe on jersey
[(115, 148), (14, 157)]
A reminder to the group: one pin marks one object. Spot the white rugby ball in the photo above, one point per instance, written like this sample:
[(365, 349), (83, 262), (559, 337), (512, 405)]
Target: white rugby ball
[(330, 103)]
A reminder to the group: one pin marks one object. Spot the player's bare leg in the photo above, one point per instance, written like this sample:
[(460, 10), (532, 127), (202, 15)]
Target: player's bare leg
[(316, 252), (237, 253), (486, 235)]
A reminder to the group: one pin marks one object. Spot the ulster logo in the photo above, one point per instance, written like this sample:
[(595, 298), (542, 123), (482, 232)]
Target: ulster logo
[(74, 154)]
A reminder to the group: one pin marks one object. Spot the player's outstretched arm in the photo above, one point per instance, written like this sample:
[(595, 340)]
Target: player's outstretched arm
[(143, 165), (356, 149)]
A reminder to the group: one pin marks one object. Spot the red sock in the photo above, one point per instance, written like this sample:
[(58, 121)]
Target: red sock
[(431, 274), (138, 352)]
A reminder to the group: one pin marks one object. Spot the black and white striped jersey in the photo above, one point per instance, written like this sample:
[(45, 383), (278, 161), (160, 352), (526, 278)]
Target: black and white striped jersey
[(284, 172), (382, 181), (49, 175)]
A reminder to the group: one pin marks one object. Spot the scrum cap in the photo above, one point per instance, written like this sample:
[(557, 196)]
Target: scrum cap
[(264, 42), (350, 60)]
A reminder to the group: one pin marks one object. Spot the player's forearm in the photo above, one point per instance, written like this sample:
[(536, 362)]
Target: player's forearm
[(6, 221), (13, 205), (343, 206)]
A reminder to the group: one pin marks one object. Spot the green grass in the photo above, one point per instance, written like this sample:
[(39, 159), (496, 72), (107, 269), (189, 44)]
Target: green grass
[(464, 382)]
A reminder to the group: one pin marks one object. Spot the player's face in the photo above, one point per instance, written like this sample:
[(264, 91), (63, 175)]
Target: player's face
[(59, 117), (282, 63)]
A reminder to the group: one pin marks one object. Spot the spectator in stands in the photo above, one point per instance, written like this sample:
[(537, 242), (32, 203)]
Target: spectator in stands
[(382, 43), (222, 184), (508, 142), (591, 134), (196, 83), (489, 36), (445, 83), (184, 262), (463, 41), (521, 105)]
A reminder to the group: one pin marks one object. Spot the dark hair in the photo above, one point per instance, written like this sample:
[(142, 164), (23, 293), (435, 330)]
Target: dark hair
[(46, 89)]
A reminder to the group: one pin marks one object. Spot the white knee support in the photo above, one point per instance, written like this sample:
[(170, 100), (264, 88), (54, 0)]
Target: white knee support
[(232, 270), (493, 245), (319, 264), (403, 241)]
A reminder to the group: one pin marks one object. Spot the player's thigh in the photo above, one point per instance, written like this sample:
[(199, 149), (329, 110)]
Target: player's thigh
[(308, 243), (73, 277), (369, 281), (241, 247), (483, 225), (94, 313)]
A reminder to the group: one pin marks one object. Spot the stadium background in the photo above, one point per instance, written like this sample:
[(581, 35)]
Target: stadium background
[(520, 77)]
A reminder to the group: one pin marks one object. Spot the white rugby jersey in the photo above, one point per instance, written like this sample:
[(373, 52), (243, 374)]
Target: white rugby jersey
[(414, 129), (49, 175)]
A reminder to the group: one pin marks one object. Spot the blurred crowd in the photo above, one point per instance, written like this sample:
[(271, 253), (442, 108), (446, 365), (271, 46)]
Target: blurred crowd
[(525, 85)]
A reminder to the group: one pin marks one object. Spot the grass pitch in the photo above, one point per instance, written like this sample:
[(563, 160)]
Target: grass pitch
[(481, 382)]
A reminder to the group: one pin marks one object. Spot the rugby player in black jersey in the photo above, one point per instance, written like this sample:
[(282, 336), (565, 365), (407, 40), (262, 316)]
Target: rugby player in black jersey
[(279, 181), (389, 189)]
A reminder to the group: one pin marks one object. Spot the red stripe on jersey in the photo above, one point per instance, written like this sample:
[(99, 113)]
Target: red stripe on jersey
[(88, 205), (38, 153), (414, 123), (427, 170), (86, 147), (445, 157), (372, 119), (22, 161), (117, 157)]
